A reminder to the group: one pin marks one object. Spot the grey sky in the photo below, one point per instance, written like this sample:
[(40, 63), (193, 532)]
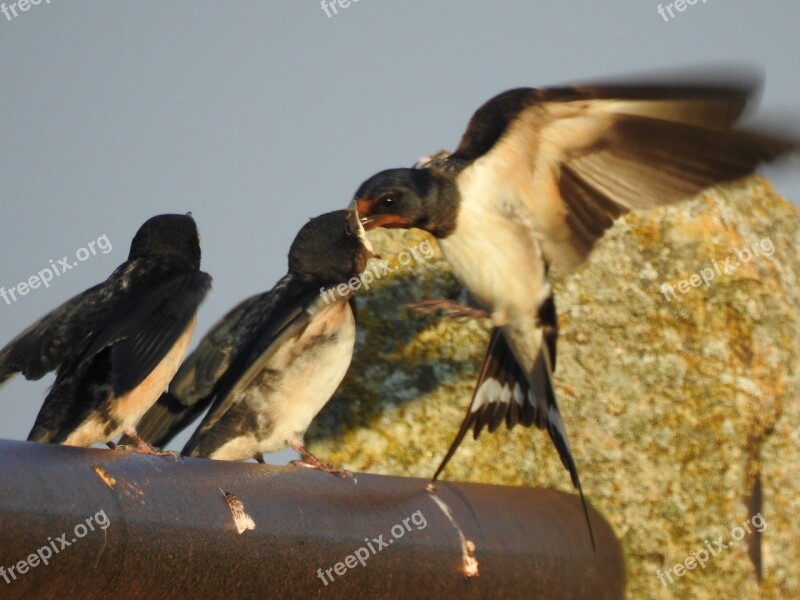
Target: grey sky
[(258, 115)]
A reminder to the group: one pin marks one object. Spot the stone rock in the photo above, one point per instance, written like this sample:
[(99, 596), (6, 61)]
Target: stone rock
[(682, 407)]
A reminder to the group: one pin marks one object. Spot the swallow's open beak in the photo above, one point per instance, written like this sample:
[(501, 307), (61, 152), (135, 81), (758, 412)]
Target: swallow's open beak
[(354, 226), (373, 221)]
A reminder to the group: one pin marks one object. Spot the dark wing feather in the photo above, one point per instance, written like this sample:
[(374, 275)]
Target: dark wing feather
[(203, 368), (70, 328), (577, 158), (686, 100), (84, 380), (74, 396), (43, 346), (143, 328), (193, 388)]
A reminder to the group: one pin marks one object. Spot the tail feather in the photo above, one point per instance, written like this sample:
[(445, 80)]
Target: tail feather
[(504, 392)]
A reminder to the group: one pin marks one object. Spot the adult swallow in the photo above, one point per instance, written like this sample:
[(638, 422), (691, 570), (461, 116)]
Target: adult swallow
[(270, 365), (116, 346), (537, 178)]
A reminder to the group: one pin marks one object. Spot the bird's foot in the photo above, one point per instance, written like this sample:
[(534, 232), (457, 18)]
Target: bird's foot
[(142, 447), (310, 461), (448, 308)]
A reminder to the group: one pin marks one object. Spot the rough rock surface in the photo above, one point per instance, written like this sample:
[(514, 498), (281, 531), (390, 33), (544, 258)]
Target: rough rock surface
[(683, 414)]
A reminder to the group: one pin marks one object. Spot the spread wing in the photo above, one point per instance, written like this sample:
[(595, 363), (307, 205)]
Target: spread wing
[(577, 158), (43, 346), (98, 317)]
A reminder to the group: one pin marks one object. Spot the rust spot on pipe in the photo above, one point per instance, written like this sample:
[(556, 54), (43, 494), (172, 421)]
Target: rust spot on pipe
[(105, 476)]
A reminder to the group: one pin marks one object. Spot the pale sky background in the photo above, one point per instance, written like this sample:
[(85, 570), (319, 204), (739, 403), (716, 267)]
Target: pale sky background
[(256, 116)]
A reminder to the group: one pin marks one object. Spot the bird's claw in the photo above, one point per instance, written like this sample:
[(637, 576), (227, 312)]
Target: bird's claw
[(448, 308)]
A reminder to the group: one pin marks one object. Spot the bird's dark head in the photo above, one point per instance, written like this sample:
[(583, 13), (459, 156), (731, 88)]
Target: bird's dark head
[(406, 198), (330, 248), (172, 237)]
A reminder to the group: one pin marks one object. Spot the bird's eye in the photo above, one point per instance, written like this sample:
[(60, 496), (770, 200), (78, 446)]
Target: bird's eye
[(387, 200)]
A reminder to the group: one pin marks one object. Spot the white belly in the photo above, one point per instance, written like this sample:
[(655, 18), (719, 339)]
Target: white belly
[(295, 384), (496, 255)]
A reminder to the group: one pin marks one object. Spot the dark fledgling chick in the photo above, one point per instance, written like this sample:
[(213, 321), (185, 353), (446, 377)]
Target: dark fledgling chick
[(270, 364), (116, 346), (538, 177)]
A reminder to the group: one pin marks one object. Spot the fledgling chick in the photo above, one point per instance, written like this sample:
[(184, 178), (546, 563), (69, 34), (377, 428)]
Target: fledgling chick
[(116, 346)]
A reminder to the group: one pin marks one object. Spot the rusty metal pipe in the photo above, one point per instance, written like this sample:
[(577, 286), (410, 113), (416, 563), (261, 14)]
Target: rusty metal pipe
[(140, 526)]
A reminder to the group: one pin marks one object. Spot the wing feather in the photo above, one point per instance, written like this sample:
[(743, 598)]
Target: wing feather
[(577, 158), (194, 386)]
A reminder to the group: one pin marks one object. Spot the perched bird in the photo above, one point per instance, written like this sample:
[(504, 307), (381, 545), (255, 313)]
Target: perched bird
[(273, 362), (537, 178), (116, 346)]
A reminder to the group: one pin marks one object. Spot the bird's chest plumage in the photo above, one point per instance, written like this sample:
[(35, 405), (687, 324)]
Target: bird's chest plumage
[(301, 377), (319, 361), (494, 250)]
